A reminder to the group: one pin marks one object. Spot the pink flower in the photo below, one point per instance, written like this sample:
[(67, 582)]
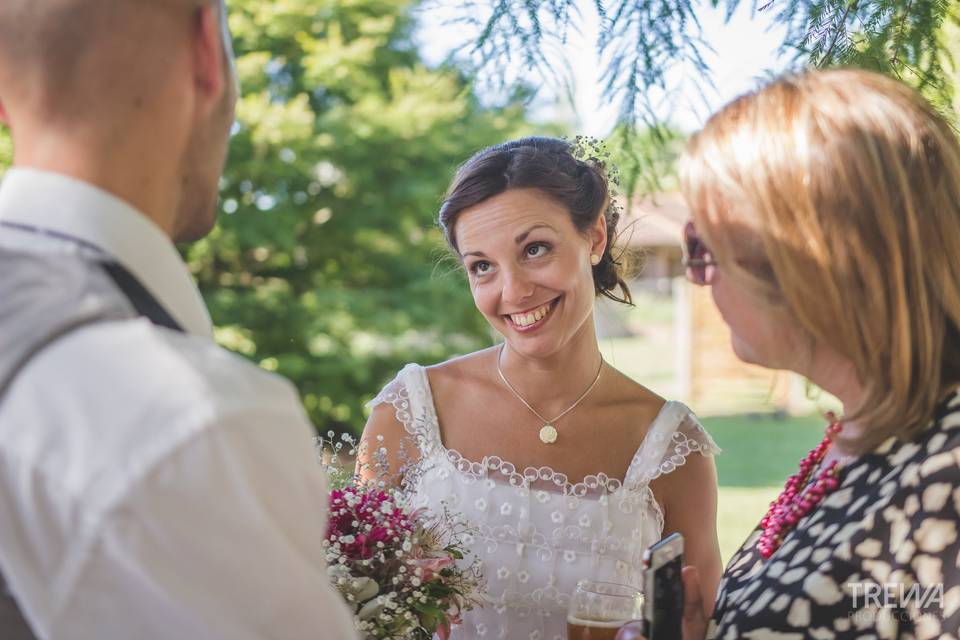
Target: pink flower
[(443, 630), (430, 567), (364, 519)]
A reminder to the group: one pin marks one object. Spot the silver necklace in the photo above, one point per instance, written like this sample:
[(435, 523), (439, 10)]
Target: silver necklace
[(548, 432)]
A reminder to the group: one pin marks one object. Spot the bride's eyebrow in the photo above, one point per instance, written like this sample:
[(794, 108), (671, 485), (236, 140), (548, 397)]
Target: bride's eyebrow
[(520, 238), (540, 225)]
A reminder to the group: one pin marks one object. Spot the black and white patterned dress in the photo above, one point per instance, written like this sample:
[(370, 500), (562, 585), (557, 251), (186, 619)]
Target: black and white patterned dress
[(879, 558)]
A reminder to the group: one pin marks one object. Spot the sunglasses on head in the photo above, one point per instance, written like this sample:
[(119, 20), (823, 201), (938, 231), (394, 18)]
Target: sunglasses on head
[(697, 258)]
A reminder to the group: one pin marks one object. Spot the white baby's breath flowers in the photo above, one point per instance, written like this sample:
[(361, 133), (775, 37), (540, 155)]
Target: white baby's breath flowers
[(370, 609)]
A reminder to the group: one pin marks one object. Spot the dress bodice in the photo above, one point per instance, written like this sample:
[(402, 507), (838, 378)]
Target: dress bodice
[(536, 532)]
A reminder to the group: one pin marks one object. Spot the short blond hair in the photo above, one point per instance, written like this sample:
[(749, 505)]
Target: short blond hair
[(854, 182)]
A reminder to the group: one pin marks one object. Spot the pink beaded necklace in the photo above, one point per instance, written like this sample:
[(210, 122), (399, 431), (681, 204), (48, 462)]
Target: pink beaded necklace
[(800, 496)]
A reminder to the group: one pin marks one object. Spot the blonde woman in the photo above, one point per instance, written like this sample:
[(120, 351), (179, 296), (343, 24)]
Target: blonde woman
[(827, 223)]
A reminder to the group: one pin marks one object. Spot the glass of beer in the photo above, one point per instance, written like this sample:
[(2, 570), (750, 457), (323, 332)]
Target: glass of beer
[(599, 609)]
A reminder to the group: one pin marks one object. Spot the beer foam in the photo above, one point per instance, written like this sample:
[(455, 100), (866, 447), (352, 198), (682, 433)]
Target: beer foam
[(596, 624)]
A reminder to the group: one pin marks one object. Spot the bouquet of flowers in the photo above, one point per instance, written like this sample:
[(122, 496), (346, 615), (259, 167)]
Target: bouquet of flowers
[(405, 573)]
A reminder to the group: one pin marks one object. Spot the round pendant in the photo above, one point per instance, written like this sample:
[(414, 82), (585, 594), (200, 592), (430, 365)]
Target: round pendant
[(548, 434)]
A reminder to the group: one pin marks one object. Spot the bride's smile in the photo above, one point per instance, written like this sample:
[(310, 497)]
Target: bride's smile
[(532, 319)]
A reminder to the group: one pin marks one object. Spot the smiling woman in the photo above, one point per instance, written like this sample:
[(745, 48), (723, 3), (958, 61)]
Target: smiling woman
[(528, 266), (548, 166), (567, 468)]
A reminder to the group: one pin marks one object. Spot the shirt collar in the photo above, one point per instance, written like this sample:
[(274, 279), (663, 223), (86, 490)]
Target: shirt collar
[(69, 206)]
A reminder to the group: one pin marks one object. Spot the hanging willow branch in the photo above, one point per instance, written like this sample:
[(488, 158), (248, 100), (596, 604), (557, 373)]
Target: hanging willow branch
[(642, 41)]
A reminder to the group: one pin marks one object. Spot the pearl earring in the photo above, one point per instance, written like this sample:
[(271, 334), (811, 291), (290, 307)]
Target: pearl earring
[(594, 259)]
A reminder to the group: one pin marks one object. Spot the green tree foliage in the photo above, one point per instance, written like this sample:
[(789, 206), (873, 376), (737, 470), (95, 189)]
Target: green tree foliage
[(643, 39), (642, 42), (950, 60), (6, 150), (901, 38), (646, 158), (326, 264)]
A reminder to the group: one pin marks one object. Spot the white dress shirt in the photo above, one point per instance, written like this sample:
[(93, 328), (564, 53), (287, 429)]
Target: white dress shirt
[(152, 484)]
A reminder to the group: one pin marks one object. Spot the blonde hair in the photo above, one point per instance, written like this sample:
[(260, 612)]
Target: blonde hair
[(854, 182)]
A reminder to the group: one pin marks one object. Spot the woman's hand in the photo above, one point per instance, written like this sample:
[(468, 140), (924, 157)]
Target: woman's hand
[(694, 622)]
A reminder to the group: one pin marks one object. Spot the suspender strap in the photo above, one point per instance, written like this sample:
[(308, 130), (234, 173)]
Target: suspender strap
[(12, 624), (145, 304)]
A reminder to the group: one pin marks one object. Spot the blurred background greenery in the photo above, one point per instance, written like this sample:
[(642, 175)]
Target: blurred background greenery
[(327, 267)]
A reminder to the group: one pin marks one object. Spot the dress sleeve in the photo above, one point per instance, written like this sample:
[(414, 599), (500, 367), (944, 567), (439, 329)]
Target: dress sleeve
[(397, 395), (675, 436), (399, 433)]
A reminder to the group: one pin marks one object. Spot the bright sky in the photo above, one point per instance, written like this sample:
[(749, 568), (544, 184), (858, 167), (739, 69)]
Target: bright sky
[(745, 50)]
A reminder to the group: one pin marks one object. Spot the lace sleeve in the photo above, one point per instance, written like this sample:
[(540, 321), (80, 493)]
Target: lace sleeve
[(409, 395), (396, 394), (672, 439), (386, 451)]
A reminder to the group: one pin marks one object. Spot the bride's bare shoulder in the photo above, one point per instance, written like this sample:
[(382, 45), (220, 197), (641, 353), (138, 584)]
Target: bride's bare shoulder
[(470, 369), (632, 395)]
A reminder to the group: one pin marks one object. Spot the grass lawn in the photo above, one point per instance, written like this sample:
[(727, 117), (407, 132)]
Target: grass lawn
[(759, 452)]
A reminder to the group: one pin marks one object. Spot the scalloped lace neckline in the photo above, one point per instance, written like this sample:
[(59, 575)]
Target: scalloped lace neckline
[(517, 479)]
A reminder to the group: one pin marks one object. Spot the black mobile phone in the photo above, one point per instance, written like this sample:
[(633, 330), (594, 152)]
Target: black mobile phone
[(663, 589)]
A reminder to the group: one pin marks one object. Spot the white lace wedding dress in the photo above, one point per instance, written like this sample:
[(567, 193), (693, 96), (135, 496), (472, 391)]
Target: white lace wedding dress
[(537, 533)]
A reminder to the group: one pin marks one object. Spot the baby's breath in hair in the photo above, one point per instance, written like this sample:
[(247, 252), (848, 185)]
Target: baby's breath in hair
[(594, 151)]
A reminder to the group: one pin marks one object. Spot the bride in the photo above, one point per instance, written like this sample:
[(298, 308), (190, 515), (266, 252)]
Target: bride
[(567, 468)]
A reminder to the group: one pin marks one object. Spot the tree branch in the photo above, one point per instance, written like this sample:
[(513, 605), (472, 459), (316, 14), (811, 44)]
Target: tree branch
[(899, 39), (843, 22)]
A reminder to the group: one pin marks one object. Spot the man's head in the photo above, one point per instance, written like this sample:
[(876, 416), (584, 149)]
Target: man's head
[(135, 96)]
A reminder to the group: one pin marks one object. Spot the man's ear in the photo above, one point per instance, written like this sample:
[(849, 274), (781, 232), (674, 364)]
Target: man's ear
[(208, 54)]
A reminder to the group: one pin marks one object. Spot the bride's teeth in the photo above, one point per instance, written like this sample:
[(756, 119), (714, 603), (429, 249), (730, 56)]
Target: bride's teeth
[(526, 319)]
